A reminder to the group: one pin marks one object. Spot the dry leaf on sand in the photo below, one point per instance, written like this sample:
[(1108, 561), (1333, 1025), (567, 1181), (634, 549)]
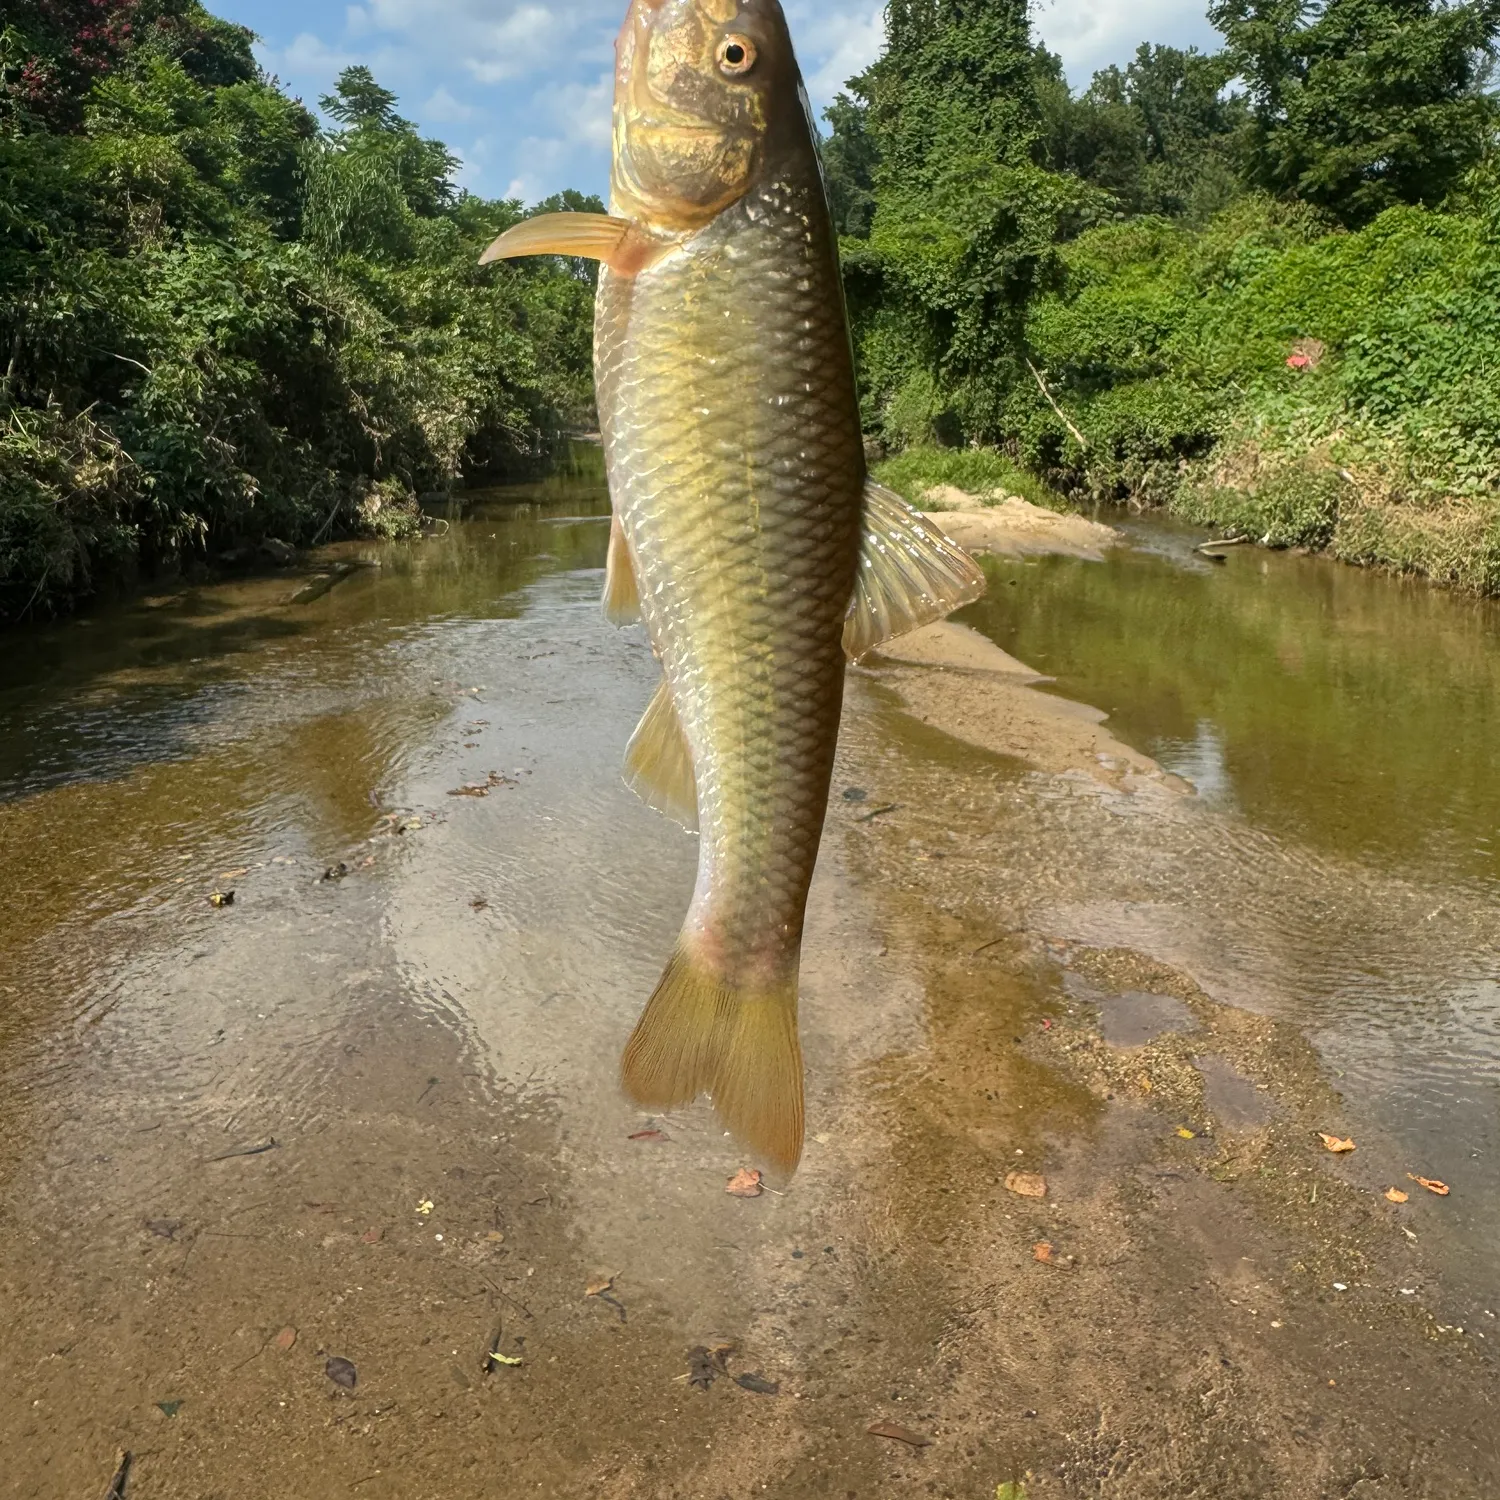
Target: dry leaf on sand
[(1337, 1144), (900, 1433), (285, 1339), (1431, 1184), (1027, 1184), (597, 1285), (1395, 1195), (1048, 1256), (746, 1183)]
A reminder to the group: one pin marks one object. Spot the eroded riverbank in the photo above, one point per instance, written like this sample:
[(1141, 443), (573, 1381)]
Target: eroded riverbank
[(430, 1038)]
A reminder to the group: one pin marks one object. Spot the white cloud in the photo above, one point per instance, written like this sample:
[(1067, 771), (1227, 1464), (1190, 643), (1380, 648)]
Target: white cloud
[(836, 42), (1091, 34), (443, 106), (532, 79)]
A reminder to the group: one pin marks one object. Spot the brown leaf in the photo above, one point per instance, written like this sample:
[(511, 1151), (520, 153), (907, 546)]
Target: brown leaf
[(1395, 1195), (373, 1236), (1027, 1184), (597, 1285), (900, 1433), (1048, 1256), (221, 899), (285, 1339), (1337, 1144), (746, 1183), (473, 789), (1431, 1184), (702, 1371), (651, 1135), (758, 1383)]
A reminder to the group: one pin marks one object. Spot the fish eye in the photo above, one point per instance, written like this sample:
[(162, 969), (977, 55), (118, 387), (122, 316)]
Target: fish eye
[(736, 56)]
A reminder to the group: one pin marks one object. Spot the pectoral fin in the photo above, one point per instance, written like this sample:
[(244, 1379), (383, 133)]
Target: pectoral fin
[(659, 763), (910, 574), (592, 236), (622, 594)]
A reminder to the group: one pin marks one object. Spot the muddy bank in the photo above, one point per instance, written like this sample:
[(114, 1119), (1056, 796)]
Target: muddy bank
[(448, 912)]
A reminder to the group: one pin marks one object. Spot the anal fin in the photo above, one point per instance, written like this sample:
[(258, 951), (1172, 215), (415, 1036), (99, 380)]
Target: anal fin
[(659, 763), (910, 574), (622, 593)]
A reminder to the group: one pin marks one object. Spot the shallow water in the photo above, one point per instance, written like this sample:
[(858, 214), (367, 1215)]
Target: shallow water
[(1343, 870), (226, 738)]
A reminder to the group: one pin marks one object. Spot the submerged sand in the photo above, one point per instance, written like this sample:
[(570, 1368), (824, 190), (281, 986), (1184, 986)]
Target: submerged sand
[(368, 1113)]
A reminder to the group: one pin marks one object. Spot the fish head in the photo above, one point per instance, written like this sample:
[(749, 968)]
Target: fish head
[(700, 86)]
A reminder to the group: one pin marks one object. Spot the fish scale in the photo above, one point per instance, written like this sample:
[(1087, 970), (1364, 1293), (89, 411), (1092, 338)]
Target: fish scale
[(746, 531), (744, 525)]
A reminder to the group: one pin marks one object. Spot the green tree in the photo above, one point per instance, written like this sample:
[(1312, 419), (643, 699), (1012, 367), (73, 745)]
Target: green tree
[(1361, 104), (1161, 134), (943, 128)]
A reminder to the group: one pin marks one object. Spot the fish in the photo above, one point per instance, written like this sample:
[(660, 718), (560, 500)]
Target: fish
[(746, 532)]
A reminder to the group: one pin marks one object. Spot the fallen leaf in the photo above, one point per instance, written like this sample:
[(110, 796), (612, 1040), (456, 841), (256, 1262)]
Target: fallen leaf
[(235, 874), (373, 1236), (702, 1369), (342, 1372), (597, 1285), (746, 1183), (1431, 1184), (335, 872), (1395, 1195), (164, 1229), (425, 1207), (507, 1360), (901, 1434), (285, 1339), (169, 1408), (479, 904), (1014, 1490), (495, 1237), (1335, 1143), (221, 899), (651, 1135), (1027, 1184), (1186, 1134), (759, 1384), (473, 789), (1048, 1256)]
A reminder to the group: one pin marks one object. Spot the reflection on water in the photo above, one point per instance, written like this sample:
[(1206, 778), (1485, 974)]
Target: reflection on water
[(1353, 711), (1339, 867)]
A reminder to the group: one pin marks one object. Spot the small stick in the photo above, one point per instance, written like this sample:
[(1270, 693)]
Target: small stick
[(123, 1461), (878, 812), (1083, 442), (270, 1145)]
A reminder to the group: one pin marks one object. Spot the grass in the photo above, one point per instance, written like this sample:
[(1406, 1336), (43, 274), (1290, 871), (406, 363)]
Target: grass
[(985, 473)]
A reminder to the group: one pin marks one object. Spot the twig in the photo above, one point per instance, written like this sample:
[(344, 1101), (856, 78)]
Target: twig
[(270, 1145), (123, 1461), (1229, 541), (878, 812), (1083, 442)]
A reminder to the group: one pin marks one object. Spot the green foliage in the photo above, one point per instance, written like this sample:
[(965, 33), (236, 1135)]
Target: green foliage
[(982, 472), (937, 139), (1160, 135), (1362, 104), (218, 323)]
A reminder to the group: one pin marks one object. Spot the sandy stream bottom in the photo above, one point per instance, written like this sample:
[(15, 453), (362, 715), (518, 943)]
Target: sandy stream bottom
[(430, 1042)]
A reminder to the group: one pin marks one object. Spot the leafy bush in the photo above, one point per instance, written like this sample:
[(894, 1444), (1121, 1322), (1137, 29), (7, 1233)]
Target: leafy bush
[(219, 323)]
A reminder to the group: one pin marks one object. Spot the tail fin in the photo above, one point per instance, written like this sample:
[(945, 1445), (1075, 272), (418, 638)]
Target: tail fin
[(700, 1035)]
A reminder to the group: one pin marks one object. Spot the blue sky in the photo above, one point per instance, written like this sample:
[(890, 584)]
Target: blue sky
[(520, 89)]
